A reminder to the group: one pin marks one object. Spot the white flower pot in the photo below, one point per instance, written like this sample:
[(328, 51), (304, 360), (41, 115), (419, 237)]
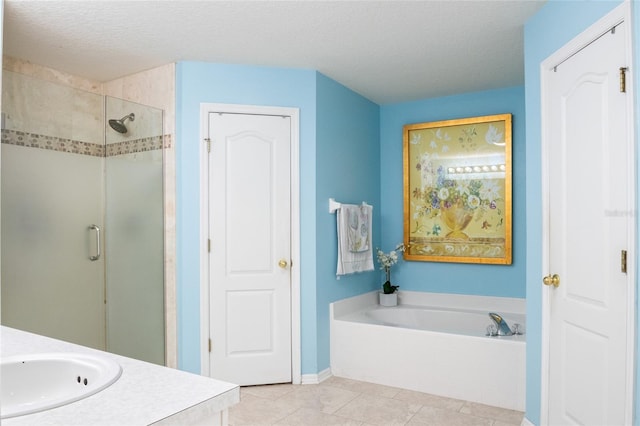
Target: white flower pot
[(388, 299)]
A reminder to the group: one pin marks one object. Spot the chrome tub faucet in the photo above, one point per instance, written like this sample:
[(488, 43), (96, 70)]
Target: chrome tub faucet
[(501, 324)]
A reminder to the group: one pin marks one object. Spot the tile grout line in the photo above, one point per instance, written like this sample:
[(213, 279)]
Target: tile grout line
[(358, 394), (387, 396), (287, 415)]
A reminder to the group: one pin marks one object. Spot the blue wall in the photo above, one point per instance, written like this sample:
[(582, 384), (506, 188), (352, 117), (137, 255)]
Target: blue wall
[(489, 280), (339, 134), (348, 156), (551, 28), (198, 82), (351, 150)]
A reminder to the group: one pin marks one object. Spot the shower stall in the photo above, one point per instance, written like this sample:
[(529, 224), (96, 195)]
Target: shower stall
[(82, 217)]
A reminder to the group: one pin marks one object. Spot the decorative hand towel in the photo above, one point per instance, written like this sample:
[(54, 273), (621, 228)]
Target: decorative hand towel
[(358, 229), (361, 258)]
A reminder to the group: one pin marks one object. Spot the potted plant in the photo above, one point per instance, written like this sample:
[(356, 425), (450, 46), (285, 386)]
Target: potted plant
[(388, 296)]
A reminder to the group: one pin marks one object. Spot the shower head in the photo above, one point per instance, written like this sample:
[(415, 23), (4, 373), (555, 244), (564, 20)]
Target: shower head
[(118, 125)]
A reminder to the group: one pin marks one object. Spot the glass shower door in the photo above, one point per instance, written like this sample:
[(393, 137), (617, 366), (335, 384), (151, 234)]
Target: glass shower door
[(52, 180), (134, 221)]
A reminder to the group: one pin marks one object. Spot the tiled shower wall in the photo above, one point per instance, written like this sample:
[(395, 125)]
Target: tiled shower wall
[(154, 88)]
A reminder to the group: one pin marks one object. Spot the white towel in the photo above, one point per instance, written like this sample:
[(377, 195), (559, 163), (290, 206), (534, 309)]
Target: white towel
[(354, 225)]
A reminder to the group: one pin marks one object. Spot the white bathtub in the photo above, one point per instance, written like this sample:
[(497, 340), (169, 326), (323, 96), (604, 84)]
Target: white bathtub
[(433, 343)]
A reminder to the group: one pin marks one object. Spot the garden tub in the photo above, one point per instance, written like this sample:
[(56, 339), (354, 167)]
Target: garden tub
[(432, 343)]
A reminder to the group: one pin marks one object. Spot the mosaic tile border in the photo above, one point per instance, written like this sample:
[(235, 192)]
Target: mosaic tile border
[(34, 140), (138, 145)]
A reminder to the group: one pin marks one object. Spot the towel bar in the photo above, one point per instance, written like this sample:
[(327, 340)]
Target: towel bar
[(334, 205)]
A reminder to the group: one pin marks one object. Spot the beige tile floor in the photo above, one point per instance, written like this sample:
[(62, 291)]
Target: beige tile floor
[(339, 401)]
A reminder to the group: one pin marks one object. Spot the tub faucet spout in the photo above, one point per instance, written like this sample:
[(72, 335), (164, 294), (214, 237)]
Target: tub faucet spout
[(503, 327)]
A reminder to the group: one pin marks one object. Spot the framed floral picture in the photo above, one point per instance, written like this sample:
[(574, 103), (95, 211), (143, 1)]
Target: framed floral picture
[(457, 190)]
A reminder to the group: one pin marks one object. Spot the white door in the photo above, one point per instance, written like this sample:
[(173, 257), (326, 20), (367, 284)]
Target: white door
[(249, 260), (590, 210)]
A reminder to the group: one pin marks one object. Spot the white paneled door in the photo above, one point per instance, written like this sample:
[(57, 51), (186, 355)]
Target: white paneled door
[(590, 210), (250, 248)]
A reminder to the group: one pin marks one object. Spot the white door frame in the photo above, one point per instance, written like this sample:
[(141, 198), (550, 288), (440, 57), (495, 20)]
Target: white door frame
[(294, 113), (617, 15)]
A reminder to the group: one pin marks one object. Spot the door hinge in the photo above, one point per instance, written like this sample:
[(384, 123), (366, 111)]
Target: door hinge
[(209, 345), (209, 246), (623, 261), (208, 142), (623, 79)]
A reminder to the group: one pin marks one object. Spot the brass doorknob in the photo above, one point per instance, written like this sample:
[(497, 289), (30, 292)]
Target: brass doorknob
[(283, 263), (553, 280)]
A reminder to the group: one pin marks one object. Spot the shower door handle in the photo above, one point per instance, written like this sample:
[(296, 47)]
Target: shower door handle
[(97, 229)]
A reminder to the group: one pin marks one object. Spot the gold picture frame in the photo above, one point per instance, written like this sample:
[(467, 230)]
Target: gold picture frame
[(457, 190)]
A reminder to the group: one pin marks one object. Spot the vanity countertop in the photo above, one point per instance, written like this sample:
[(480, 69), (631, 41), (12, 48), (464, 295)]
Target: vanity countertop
[(145, 393)]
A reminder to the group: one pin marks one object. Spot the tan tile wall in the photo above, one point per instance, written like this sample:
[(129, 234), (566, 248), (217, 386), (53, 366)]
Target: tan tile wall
[(51, 75)]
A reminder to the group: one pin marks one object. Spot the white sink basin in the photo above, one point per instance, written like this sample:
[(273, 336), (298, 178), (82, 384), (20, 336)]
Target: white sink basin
[(38, 382)]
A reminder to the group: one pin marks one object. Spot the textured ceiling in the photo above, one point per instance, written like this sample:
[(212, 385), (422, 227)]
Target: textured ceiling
[(388, 51)]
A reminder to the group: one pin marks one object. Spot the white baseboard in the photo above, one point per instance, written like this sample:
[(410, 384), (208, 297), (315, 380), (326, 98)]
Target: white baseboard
[(314, 379)]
